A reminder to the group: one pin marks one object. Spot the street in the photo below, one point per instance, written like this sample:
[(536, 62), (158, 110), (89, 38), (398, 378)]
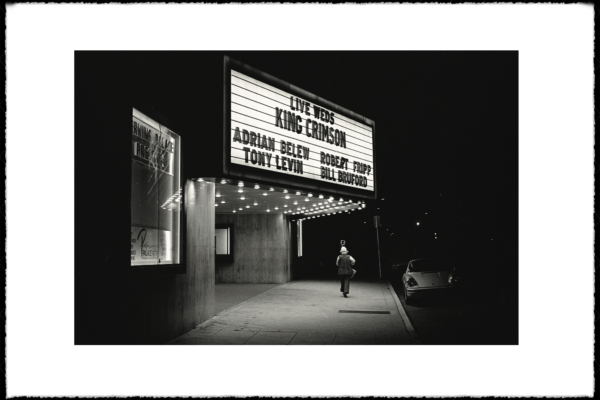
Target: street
[(472, 317)]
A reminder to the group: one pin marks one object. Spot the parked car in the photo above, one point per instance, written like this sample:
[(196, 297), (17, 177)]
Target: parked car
[(425, 276)]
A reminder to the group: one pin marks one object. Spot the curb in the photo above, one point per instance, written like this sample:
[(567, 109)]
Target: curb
[(414, 338)]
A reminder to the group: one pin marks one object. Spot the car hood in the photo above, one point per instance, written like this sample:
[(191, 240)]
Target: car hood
[(433, 278)]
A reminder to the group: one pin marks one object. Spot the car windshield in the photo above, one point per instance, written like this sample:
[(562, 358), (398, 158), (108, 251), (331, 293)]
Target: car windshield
[(429, 265)]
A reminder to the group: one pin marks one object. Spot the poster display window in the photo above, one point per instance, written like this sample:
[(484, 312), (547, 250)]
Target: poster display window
[(156, 196)]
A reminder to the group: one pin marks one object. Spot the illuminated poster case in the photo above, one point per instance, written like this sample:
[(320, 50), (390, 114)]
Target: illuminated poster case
[(276, 132), (156, 201)]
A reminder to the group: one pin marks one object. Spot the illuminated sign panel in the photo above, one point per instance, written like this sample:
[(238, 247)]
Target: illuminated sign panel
[(274, 130)]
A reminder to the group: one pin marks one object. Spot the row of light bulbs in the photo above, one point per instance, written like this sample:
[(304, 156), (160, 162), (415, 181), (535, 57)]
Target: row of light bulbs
[(269, 210), (323, 215), (285, 191), (333, 212), (315, 208), (321, 205)]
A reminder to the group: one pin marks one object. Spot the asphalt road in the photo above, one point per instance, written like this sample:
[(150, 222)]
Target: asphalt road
[(478, 316)]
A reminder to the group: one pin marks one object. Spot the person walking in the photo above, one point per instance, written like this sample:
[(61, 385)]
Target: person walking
[(345, 263)]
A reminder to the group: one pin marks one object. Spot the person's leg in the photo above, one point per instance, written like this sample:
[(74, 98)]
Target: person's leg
[(347, 288), (342, 280)]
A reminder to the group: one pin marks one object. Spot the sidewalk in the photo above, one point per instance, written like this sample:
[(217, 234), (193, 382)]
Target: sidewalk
[(308, 312), (229, 295)]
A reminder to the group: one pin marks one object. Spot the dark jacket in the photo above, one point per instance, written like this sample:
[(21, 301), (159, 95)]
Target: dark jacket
[(345, 263)]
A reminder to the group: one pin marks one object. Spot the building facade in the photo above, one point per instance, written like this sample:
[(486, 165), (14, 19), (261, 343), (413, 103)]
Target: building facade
[(212, 166)]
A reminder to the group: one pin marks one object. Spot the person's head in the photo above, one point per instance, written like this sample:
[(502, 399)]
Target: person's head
[(344, 250)]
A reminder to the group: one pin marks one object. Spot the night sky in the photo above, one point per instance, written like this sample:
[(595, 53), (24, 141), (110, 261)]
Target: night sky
[(447, 145)]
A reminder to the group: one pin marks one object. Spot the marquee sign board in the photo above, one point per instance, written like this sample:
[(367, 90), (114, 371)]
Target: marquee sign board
[(295, 134)]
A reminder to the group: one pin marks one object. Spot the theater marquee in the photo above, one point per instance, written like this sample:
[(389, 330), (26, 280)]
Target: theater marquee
[(275, 130)]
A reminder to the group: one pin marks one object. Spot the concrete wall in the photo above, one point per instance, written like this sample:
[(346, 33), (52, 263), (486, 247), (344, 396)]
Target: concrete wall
[(165, 307), (261, 249), (200, 203)]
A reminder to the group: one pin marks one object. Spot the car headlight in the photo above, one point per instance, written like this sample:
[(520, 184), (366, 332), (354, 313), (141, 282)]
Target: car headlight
[(411, 282)]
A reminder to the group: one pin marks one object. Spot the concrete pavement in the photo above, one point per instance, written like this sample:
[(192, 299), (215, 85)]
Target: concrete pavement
[(228, 295), (310, 312)]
